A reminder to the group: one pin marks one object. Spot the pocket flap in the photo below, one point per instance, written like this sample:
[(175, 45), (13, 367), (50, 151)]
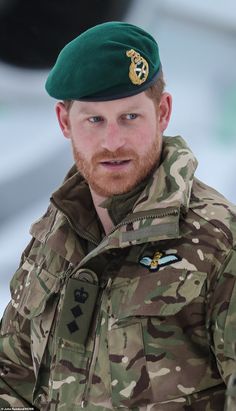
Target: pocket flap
[(31, 287), (159, 294)]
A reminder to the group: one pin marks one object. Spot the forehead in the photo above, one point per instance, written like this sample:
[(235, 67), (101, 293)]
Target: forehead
[(138, 102)]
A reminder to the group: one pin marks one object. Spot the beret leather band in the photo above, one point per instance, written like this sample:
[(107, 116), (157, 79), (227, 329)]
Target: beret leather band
[(115, 94)]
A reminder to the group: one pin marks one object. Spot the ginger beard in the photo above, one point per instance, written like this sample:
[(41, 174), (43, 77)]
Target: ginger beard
[(108, 183)]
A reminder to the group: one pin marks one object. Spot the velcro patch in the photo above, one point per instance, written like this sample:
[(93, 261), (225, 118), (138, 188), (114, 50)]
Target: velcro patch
[(77, 310)]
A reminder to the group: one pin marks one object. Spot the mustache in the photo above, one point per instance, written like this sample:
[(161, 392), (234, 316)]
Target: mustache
[(109, 155)]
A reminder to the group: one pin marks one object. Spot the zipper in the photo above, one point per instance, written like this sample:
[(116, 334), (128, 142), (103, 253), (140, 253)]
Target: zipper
[(94, 355), (169, 212)]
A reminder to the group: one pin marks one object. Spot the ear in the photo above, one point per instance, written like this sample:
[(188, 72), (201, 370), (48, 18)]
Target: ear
[(63, 119), (164, 111)]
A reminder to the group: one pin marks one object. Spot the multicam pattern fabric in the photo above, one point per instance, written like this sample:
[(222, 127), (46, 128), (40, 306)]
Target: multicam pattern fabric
[(161, 340)]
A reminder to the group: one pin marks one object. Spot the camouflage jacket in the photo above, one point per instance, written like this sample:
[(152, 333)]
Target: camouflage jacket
[(143, 318)]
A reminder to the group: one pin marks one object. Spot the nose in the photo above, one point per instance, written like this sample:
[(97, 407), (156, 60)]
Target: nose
[(113, 137)]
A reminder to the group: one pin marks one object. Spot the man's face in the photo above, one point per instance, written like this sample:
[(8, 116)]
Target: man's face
[(116, 144)]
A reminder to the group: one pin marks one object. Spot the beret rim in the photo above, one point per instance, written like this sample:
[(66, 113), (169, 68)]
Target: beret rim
[(127, 93)]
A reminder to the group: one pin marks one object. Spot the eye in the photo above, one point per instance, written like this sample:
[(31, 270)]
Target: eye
[(95, 119), (131, 116)]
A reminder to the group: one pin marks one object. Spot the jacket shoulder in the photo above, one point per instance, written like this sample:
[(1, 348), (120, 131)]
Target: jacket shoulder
[(213, 208)]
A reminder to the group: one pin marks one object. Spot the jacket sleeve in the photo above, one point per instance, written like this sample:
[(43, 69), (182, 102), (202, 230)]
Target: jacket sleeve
[(16, 367), (222, 318)]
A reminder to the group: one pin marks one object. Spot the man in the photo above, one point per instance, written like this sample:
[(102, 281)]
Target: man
[(125, 297)]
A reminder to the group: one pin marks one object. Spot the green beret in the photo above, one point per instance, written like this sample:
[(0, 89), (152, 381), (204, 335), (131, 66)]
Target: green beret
[(109, 61)]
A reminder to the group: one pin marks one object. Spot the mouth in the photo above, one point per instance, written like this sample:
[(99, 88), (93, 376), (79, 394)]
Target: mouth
[(115, 164)]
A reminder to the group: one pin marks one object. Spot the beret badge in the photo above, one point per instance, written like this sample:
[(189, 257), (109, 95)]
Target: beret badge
[(138, 69)]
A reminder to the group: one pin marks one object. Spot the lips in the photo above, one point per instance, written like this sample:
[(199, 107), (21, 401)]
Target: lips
[(115, 162), (115, 165)]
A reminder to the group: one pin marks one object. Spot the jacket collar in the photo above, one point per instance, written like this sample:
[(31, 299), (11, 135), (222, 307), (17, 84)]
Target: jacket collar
[(166, 196), (171, 184)]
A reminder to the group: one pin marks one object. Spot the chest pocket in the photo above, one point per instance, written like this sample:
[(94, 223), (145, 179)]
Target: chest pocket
[(31, 288), (155, 328)]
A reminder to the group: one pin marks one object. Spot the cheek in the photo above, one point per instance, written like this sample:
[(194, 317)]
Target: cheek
[(83, 145), (143, 140), (79, 136)]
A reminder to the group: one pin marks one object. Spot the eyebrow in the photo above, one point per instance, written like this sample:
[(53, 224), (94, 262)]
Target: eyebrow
[(86, 110), (91, 110)]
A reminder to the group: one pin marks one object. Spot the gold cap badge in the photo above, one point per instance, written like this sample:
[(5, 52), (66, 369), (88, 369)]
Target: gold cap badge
[(138, 69)]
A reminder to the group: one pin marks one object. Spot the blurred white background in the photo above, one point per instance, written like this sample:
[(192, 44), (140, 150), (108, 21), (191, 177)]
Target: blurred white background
[(198, 53)]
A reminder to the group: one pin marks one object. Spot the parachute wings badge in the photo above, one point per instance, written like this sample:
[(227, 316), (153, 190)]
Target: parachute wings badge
[(159, 260)]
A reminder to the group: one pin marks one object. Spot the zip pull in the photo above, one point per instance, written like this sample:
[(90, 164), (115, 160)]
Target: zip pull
[(105, 284), (66, 274), (84, 404), (108, 286)]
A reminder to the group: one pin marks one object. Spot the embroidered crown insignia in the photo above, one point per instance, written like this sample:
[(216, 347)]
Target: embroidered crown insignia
[(80, 295)]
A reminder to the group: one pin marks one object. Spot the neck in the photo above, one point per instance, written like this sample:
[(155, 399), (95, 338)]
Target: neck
[(102, 212)]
